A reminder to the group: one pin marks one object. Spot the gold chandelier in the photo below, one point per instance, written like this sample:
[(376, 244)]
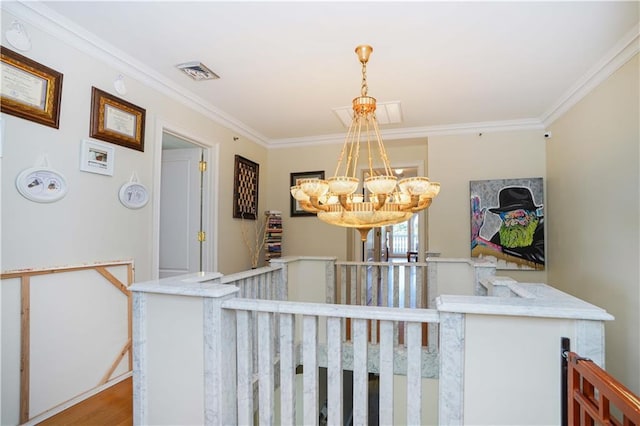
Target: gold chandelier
[(336, 201)]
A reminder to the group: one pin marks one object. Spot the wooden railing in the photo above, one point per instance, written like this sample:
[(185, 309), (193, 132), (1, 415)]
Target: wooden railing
[(592, 392)]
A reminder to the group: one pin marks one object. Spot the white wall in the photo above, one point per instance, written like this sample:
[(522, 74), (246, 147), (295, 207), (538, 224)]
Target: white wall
[(454, 160), (593, 164)]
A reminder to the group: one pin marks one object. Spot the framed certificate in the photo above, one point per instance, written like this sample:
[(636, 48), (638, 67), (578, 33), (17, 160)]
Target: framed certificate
[(116, 120), (29, 89)]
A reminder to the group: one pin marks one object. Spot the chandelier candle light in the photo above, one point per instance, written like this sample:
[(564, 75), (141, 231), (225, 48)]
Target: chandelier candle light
[(336, 201)]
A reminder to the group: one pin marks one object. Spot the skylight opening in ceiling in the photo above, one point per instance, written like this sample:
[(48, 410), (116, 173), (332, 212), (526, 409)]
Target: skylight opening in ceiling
[(386, 113)]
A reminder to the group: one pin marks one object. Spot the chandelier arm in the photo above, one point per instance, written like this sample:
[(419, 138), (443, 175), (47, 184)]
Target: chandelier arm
[(413, 204), (306, 206), (314, 202), (423, 204), (381, 200), (343, 202)]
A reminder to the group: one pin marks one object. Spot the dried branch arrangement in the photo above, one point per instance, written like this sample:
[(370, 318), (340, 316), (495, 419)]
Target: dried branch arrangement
[(254, 243)]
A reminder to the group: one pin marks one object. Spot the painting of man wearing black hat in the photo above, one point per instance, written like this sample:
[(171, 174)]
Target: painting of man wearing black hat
[(513, 230)]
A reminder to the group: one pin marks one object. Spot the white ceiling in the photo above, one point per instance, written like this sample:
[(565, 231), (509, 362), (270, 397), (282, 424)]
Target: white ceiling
[(285, 65)]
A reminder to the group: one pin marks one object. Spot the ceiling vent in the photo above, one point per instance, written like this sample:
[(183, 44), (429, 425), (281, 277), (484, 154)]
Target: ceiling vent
[(386, 113), (198, 71)]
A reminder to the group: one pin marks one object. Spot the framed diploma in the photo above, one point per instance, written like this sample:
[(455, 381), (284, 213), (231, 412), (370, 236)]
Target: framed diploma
[(116, 120), (29, 89)]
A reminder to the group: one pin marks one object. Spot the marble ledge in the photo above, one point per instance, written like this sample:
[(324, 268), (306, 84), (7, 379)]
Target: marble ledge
[(199, 284), (477, 262), (530, 300), (289, 259)]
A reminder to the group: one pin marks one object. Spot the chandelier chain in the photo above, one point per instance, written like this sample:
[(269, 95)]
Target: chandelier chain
[(364, 89)]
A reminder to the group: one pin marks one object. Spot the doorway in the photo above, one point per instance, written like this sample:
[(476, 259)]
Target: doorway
[(394, 242), (182, 206)]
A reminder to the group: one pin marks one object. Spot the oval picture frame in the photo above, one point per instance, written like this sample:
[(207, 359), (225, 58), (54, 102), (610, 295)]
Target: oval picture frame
[(41, 184), (133, 195)]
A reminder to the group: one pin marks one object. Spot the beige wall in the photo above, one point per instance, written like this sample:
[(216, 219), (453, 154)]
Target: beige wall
[(303, 235), (454, 160), (594, 185), (233, 254)]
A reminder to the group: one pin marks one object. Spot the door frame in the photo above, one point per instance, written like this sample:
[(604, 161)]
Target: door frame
[(211, 154)]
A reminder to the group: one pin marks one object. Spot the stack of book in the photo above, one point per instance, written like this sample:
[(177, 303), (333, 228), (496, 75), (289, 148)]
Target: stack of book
[(273, 235)]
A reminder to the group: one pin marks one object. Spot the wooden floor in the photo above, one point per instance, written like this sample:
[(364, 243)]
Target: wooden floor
[(111, 407)]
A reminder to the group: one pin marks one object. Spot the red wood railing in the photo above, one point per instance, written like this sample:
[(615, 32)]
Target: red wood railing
[(591, 393)]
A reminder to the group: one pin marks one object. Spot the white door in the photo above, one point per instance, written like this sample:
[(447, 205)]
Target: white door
[(180, 212)]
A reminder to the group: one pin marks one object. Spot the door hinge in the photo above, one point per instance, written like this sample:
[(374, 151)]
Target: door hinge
[(202, 236), (203, 166)]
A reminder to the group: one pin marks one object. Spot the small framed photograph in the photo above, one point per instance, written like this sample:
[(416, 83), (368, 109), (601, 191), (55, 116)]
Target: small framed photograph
[(29, 89), (296, 209), (97, 157), (245, 188), (116, 121)]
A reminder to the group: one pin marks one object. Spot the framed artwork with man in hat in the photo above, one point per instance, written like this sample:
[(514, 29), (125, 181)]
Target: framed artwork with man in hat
[(507, 222)]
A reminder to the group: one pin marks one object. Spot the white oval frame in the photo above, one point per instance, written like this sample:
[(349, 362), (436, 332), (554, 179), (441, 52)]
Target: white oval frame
[(138, 201), (41, 184)]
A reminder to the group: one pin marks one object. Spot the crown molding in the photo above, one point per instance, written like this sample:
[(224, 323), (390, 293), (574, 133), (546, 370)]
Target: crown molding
[(46, 19), (625, 49), (418, 132)]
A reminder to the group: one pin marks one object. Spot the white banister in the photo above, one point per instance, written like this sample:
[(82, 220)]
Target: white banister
[(244, 342), (414, 381), (245, 370), (287, 370), (334, 370), (366, 358), (310, 369), (360, 372), (451, 383), (386, 371), (265, 368)]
